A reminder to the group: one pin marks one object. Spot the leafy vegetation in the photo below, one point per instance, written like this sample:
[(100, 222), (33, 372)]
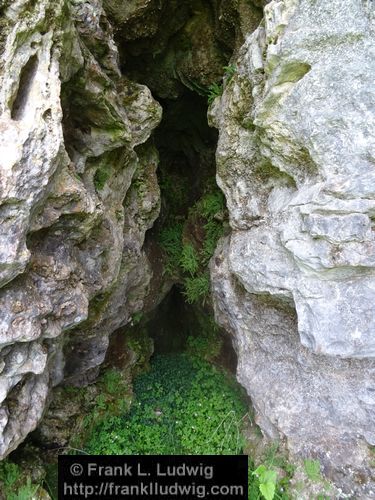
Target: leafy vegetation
[(170, 239), (230, 71), (267, 479), (136, 318), (216, 89), (96, 410), (185, 405), (182, 406), (13, 483), (188, 256), (312, 469), (196, 288), (189, 259), (112, 381), (208, 343), (139, 342), (264, 481)]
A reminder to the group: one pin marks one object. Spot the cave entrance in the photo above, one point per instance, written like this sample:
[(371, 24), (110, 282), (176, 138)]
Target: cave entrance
[(176, 326), (180, 51), (186, 146), (169, 326), (191, 220), (178, 315)]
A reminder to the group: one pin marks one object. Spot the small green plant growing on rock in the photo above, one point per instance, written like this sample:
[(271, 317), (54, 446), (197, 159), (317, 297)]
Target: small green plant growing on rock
[(13, 483), (214, 90), (112, 381), (217, 89), (208, 343), (136, 318), (267, 481), (270, 479), (210, 204), (312, 469), (187, 258), (197, 288), (170, 239), (101, 402), (230, 71)]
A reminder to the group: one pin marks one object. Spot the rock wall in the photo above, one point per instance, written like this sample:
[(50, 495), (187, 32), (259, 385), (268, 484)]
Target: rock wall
[(78, 190), (294, 283)]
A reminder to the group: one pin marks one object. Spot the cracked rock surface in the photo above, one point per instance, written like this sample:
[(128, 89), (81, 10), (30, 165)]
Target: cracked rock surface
[(72, 221), (295, 281)]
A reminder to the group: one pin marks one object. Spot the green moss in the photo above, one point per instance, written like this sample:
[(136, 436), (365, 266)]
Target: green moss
[(3, 32), (112, 381), (141, 345), (312, 469), (265, 171), (292, 72), (137, 318), (101, 177), (206, 347), (205, 341)]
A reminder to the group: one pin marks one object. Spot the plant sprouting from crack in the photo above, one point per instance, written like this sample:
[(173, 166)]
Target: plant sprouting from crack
[(216, 89), (188, 257)]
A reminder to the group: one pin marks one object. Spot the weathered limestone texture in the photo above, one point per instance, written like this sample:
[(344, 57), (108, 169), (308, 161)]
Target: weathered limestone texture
[(295, 281), (173, 44), (78, 190)]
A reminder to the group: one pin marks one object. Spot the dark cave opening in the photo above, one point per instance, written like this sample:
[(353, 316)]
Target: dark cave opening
[(175, 324), (169, 326), (173, 327), (180, 308), (186, 175), (186, 146)]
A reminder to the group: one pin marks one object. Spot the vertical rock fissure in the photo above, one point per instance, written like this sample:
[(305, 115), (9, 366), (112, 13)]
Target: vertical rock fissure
[(180, 244), (180, 51)]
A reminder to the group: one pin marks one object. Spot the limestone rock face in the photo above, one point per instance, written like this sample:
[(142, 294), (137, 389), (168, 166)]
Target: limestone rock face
[(295, 281), (78, 190)]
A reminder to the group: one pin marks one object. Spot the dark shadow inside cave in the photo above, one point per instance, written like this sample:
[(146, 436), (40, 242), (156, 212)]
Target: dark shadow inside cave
[(169, 324), (174, 322), (187, 171), (186, 146), (172, 326)]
